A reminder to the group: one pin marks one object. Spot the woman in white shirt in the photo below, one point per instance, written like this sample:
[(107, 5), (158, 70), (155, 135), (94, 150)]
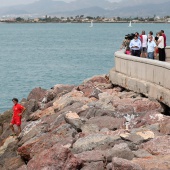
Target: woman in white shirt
[(161, 48)]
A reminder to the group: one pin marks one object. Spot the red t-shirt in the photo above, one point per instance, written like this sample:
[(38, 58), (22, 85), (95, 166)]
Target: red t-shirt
[(164, 39), (17, 109)]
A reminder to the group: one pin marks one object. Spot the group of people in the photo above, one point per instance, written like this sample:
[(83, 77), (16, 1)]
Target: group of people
[(146, 46)]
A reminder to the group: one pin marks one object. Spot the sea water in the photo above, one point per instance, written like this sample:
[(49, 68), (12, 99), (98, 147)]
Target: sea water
[(43, 55)]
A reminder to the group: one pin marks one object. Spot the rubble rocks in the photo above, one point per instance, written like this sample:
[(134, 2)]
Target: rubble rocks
[(94, 126)]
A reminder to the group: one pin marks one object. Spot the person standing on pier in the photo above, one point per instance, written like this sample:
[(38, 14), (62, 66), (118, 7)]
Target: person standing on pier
[(161, 47), (135, 46), (144, 44), (163, 34), (151, 47), (18, 110)]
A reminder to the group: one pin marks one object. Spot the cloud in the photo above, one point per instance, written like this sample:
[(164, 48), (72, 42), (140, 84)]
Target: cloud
[(18, 2), (14, 2)]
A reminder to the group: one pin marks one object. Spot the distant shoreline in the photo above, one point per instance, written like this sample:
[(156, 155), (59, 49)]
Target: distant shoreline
[(121, 22)]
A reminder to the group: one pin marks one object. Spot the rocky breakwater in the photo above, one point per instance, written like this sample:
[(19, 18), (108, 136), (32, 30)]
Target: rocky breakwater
[(93, 126)]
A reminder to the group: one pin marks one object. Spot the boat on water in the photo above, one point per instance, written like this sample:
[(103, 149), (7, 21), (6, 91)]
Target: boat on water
[(130, 24), (91, 25)]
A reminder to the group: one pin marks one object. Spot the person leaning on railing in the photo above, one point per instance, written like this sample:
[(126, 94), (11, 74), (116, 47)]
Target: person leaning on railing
[(125, 45)]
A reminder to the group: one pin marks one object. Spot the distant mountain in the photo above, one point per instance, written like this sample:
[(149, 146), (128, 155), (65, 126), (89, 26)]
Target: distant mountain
[(146, 9), (126, 8)]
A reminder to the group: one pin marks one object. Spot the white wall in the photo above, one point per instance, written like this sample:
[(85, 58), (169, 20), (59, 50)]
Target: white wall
[(150, 77)]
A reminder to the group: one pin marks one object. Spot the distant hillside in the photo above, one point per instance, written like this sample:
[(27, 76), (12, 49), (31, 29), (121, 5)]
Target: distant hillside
[(91, 7)]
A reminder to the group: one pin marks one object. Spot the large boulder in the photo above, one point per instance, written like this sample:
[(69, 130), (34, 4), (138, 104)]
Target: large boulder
[(138, 137), (149, 118), (5, 143), (89, 90), (70, 98), (107, 122), (31, 106), (157, 146), (154, 163), (94, 166), (89, 128), (73, 119), (122, 164), (98, 79), (5, 119), (36, 145), (58, 91), (94, 111), (121, 150), (57, 157), (144, 105), (12, 163), (9, 158), (141, 153), (137, 106), (37, 94), (41, 113), (94, 141), (165, 127)]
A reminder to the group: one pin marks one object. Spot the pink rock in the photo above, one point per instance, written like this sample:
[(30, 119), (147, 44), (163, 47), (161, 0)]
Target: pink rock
[(98, 79), (149, 118), (87, 89), (145, 105), (41, 113), (13, 163), (158, 146), (37, 94), (69, 98), (122, 102), (123, 164), (165, 127), (57, 91), (23, 167), (94, 166), (154, 163), (107, 122), (57, 156)]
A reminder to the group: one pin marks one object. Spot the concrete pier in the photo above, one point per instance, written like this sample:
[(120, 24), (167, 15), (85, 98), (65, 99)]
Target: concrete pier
[(146, 76)]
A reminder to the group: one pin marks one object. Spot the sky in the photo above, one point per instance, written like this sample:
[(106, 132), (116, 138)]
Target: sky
[(17, 2)]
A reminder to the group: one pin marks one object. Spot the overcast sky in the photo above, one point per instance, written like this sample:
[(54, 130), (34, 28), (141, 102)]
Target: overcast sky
[(16, 2)]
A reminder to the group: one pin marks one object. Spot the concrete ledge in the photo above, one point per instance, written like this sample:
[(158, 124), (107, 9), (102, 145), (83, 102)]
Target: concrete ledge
[(148, 89), (149, 77), (167, 53)]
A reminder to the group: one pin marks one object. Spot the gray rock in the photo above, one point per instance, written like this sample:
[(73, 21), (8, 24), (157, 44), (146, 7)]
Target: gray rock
[(107, 122), (31, 106), (73, 119), (37, 94), (94, 166), (93, 141), (89, 128), (123, 164), (136, 139), (23, 167), (57, 91), (141, 153), (95, 111), (104, 130), (120, 150), (109, 166)]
